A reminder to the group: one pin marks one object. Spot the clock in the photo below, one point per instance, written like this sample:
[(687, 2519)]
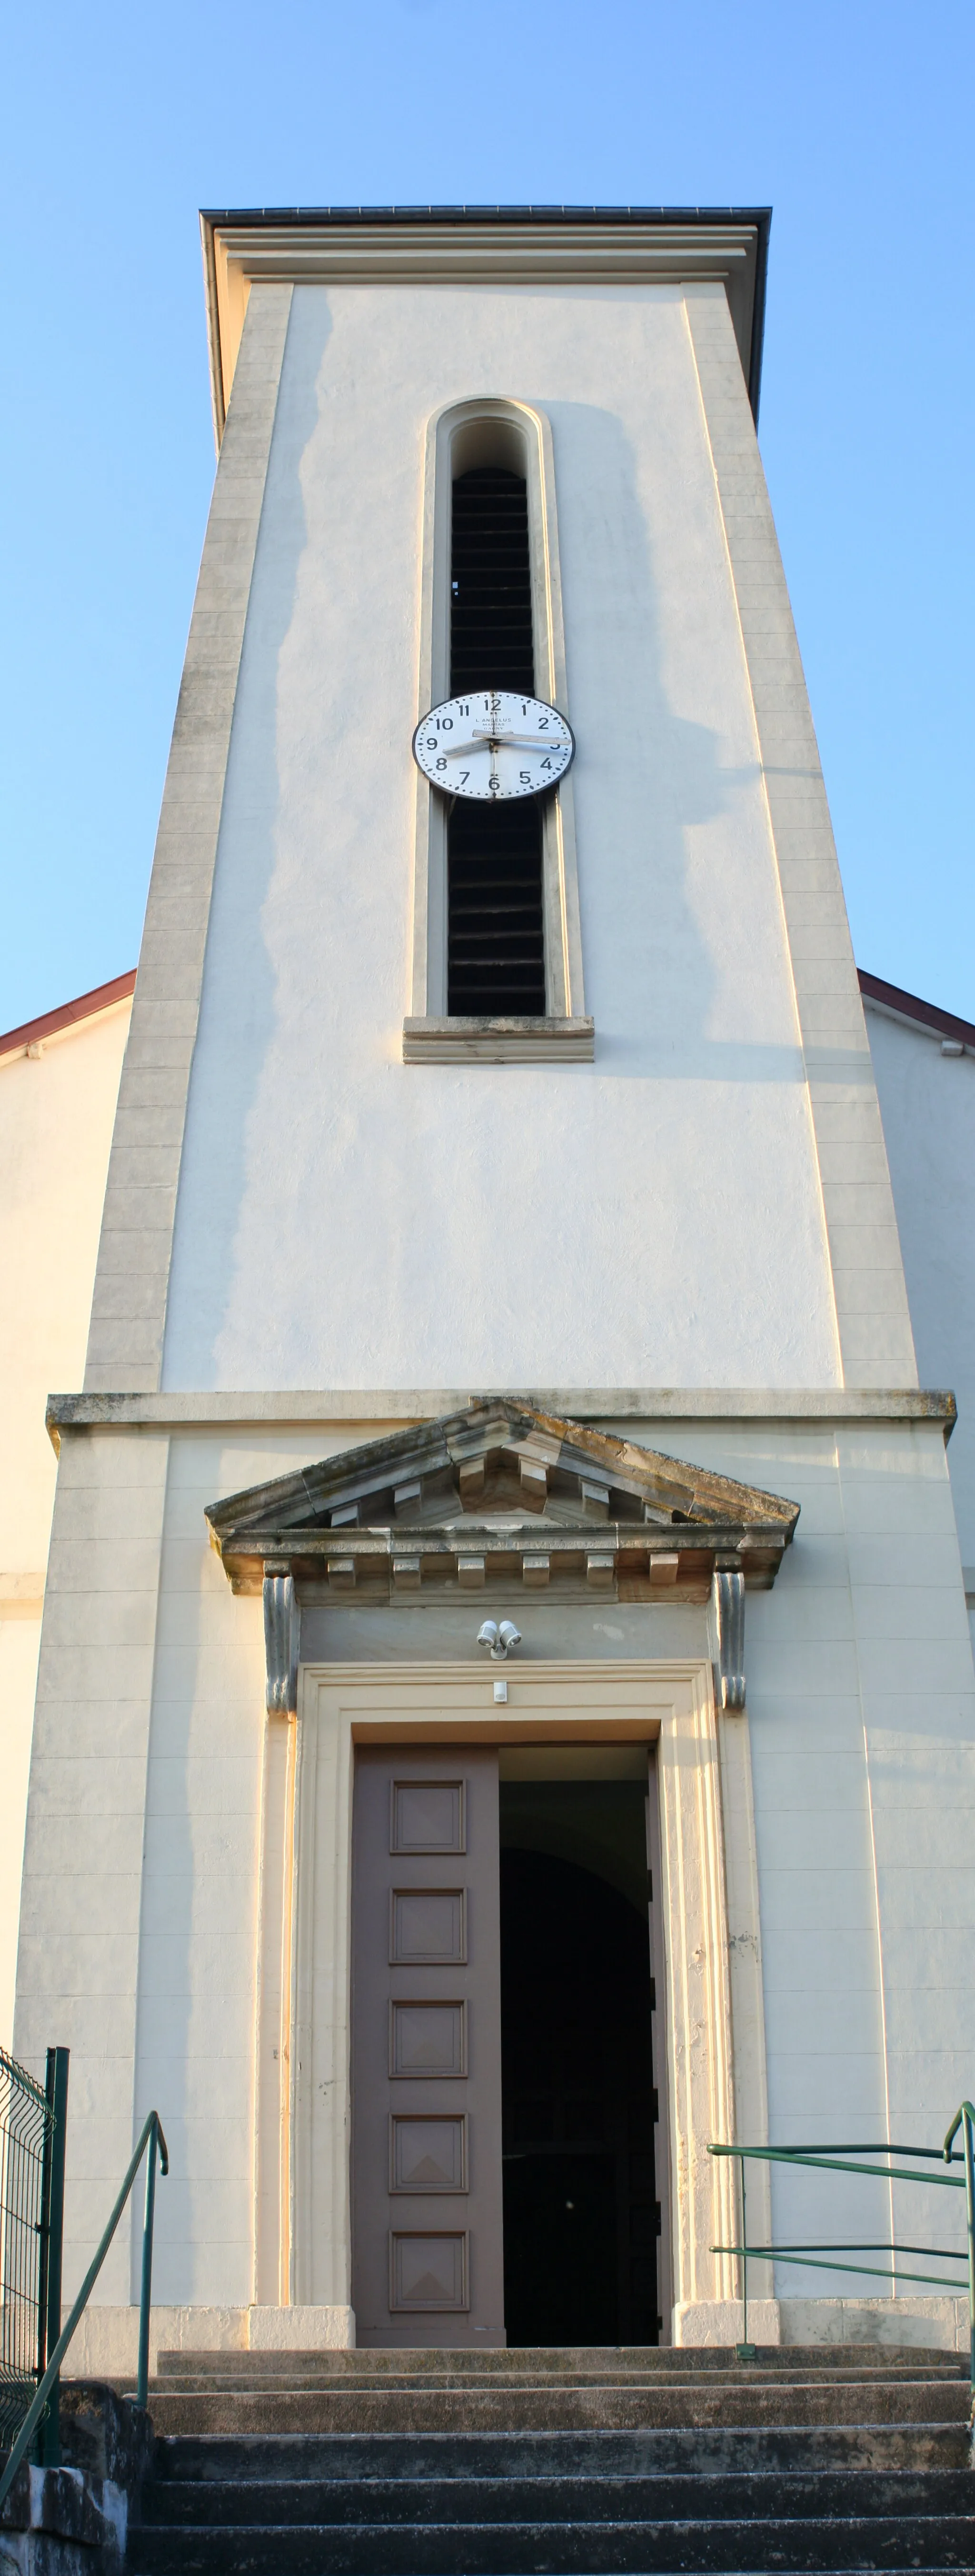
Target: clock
[(493, 743)]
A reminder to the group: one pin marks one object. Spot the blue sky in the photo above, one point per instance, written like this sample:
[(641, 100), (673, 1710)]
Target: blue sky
[(854, 122)]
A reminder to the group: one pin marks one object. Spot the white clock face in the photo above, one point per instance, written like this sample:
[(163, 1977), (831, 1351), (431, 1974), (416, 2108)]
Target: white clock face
[(493, 744)]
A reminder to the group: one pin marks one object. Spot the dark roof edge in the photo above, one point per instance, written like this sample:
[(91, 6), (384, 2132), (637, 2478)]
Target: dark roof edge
[(907, 1006), (486, 214), (103, 997), (763, 224), (759, 216)]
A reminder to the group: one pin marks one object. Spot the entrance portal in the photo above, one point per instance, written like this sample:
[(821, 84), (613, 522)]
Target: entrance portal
[(503, 2108), (581, 2218)]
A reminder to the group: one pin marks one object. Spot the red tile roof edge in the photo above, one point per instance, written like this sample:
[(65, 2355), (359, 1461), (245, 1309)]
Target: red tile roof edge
[(101, 999), (909, 1007)]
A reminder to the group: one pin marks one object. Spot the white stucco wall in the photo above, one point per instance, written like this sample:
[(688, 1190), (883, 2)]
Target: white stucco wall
[(343, 1220), (196, 1965), (927, 1102), (861, 1699), (56, 1113), (862, 1719)]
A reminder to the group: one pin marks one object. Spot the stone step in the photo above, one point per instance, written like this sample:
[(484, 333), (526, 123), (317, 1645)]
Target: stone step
[(721, 2400), (934, 2542), (751, 2496), (558, 2463), (705, 2450), (559, 2361), (741, 2375), (289, 2384)]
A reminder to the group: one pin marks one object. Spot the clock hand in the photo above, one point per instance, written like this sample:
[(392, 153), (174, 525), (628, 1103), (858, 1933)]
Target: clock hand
[(496, 742), (531, 741)]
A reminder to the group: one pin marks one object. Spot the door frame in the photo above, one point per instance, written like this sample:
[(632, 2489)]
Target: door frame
[(710, 2068)]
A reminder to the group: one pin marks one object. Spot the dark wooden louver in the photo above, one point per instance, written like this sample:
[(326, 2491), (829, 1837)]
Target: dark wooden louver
[(496, 951), (496, 954), (490, 576)]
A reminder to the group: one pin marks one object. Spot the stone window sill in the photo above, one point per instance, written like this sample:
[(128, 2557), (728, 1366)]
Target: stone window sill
[(483, 1041)]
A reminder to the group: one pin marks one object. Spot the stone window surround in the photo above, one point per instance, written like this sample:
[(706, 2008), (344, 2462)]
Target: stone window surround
[(491, 429)]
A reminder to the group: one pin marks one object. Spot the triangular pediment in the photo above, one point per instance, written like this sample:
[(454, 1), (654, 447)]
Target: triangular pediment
[(497, 1481)]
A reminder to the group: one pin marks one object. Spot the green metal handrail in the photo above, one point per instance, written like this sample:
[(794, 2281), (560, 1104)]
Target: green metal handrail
[(151, 2137), (835, 2159)]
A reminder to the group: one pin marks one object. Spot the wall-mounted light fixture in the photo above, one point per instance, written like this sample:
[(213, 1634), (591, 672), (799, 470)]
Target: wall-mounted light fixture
[(499, 1639)]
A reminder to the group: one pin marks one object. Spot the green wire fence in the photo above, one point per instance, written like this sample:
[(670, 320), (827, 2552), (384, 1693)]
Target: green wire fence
[(44, 2402), (32, 2122)]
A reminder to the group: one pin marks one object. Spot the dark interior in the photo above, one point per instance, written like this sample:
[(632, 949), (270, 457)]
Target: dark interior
[(581, 2219), (495, 943)]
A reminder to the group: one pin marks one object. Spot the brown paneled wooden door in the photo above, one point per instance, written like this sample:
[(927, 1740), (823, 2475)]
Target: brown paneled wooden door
[(427, 2259)]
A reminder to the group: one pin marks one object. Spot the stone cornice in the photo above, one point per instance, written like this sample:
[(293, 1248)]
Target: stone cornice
[(217, 1409), (616, 1561), (489, 245)]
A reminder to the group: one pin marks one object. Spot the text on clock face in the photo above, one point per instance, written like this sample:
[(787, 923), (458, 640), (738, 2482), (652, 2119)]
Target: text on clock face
[(493, 743)]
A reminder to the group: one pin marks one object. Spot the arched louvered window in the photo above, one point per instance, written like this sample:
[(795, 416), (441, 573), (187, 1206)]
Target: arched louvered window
[(495, 926), (497, 965)]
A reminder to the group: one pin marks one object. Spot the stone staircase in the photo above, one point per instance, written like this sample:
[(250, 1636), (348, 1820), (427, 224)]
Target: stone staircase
[(494, 2463)]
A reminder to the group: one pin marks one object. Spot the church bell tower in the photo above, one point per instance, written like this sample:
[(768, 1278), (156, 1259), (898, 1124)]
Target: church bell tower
[(504, 1569)]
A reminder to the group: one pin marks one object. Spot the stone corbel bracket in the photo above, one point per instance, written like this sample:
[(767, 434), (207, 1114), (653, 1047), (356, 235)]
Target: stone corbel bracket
[(729, 1608), (282, 1640)]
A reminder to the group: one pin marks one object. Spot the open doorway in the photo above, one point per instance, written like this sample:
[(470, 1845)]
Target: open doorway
[(581, 2211)]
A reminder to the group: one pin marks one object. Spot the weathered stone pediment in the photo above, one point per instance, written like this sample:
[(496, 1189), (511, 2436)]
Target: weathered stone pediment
[(501, 1491)]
